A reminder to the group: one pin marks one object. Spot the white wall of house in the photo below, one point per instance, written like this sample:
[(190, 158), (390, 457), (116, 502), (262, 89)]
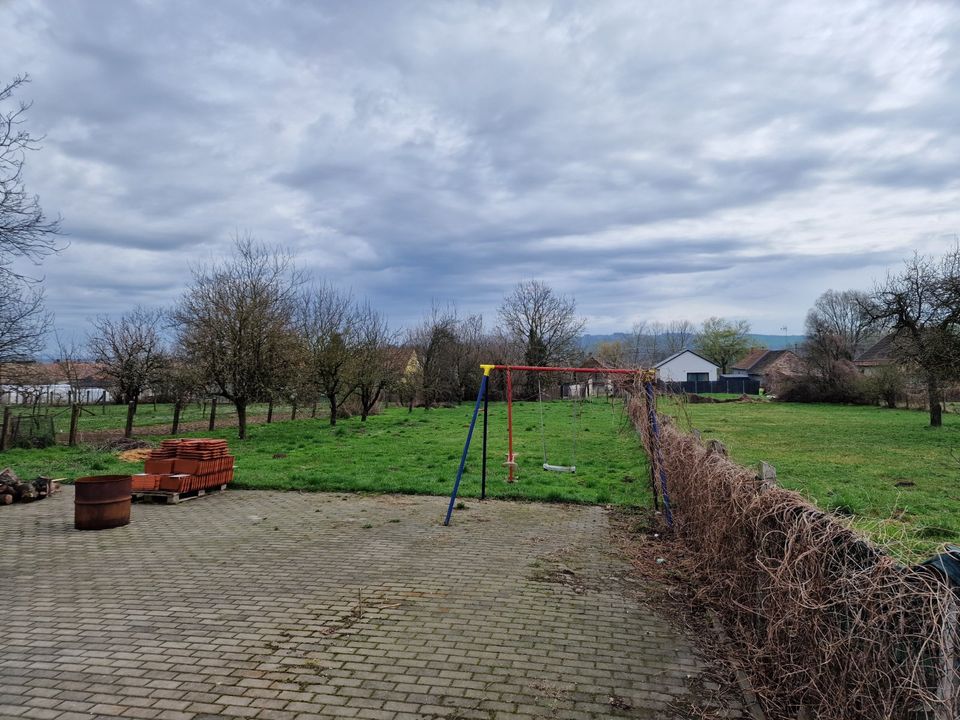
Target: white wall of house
[(677, 368)]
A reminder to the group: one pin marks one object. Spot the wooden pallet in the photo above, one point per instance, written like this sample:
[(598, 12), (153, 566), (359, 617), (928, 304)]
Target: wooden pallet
[(172, 498)]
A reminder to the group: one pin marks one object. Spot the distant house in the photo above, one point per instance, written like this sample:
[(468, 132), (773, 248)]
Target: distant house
[(687, 366), (768, 367), (878, 355)]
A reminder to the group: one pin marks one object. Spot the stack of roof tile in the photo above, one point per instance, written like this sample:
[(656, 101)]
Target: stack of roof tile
[(185, 466)]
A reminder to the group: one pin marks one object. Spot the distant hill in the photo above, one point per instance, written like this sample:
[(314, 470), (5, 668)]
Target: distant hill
[(778, 342), (773, 342)]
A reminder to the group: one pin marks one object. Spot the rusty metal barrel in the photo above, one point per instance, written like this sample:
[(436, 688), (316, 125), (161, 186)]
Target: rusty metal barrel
[(101, 502)]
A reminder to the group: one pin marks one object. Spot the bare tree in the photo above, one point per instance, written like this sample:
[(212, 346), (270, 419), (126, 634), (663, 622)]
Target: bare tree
[(679, 335), (614, 353), (24, 324), (723, 341), (235, 323), (130, 350), (654, 341), (436, 341), (70, 365), (637, 343), (836, 330), (179, 383), (838, 319), (921, 307), (373, 368), (544, 324), (468, 354), (25, 232), (327, 327)]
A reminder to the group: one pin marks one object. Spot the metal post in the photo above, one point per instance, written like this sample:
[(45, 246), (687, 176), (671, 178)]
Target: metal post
[(510, 461), (483, 472), (466, 446), (655, 426)]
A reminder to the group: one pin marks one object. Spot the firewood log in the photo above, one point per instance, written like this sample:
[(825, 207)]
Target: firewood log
[(26, 492)]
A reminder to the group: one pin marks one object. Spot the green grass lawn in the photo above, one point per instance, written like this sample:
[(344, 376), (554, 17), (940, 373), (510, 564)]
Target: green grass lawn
[(886, 468), (413, 453), (114, 417)]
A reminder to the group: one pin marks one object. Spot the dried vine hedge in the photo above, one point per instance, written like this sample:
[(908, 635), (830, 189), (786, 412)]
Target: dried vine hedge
[(829, 624)]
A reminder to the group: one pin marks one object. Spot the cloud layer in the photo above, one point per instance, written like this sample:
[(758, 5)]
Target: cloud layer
[(660, 161)]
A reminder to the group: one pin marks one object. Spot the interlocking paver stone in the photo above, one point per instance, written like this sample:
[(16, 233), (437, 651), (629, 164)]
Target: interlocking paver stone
[(278, 606)]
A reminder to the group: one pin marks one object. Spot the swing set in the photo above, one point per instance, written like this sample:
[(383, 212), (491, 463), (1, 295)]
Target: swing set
[(511, 463)]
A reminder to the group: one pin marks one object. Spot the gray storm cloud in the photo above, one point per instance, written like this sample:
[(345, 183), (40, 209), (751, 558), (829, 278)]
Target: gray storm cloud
[(656, 161)]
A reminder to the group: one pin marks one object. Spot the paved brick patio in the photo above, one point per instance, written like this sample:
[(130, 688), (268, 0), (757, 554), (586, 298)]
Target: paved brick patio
[(280, 605)]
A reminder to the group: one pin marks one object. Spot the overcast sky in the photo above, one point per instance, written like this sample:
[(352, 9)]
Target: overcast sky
[(655, 160)]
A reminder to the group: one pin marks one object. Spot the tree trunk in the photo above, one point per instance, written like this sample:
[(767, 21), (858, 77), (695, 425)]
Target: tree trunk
[(74, 419), (131, 411), (270, 412), (213, 415), (933, 398), (176, 418), (332, 399), (241, 419)]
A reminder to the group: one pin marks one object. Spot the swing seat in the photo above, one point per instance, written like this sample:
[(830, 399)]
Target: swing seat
[(560, 468)]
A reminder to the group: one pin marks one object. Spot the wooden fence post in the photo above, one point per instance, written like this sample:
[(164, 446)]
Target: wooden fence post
[(14, 430), (131, 411), (213, 413), (4, 428), (74, 419)]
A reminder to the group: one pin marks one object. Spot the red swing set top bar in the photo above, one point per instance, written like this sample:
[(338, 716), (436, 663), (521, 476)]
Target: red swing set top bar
[(589, 371)]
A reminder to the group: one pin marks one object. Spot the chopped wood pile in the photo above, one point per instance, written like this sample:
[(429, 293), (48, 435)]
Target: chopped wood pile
[(13, 489)]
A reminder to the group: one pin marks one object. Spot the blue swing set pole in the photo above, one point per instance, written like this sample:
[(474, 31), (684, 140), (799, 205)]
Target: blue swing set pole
[(466, 446)]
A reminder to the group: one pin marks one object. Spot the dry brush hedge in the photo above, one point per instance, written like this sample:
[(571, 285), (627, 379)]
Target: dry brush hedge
[(828, 623)]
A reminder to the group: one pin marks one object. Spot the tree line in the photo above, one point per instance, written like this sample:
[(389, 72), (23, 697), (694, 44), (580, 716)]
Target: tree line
[(254, 328), (915, 312)]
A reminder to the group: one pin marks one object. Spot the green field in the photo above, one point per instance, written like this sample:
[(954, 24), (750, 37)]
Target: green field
[(413, 453), (886, 468)]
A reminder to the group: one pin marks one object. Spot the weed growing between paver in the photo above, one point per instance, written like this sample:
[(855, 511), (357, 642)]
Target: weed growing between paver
[(418, 452)]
